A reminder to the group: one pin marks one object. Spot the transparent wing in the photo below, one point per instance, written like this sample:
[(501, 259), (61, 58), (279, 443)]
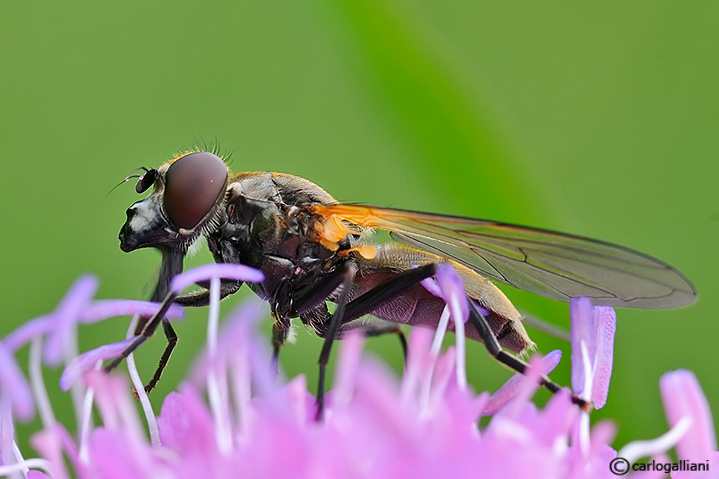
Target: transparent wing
[(551, 264)]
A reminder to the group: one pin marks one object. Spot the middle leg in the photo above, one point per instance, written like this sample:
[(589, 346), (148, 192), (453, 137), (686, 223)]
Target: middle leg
[(374, 298)]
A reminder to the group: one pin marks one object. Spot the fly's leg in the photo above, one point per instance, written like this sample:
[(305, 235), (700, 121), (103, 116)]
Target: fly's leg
[(372, 331), (171, 336), (479, 322), (202, 297), (319, 320), (373, 298), (400, 335), (350, 270), (147, 331), (302, 303), (346, 311), (306, 300), (381, 331), (279, 336)]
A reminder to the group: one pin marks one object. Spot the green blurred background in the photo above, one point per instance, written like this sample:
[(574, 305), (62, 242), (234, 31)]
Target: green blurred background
[(596, 118)]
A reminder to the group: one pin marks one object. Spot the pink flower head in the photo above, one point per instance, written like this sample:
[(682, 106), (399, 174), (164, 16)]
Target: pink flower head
[(233, 417)]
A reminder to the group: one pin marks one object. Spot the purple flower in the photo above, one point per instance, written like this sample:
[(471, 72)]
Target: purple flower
[(592, 349), (233, 417)]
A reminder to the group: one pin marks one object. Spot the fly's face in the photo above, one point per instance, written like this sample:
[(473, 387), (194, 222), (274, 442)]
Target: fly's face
[(186, 202)]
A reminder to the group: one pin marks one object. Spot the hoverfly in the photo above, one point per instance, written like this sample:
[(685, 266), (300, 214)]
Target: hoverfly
[(314, 250)]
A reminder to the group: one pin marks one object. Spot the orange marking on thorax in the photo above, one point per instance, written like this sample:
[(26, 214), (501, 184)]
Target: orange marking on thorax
[(331, 232), (366, 251)]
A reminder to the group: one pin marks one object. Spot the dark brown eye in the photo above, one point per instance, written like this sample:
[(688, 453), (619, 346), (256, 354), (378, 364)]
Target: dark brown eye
[(192, 185), (146, 180)]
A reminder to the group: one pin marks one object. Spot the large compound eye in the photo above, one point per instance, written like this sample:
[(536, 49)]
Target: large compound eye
[(192, 186)]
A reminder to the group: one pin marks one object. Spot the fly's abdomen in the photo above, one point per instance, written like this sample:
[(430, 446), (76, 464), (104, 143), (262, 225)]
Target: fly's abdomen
[(418, 307)]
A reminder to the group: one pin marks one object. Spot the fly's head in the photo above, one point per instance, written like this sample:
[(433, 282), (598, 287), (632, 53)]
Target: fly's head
[(186, 202)]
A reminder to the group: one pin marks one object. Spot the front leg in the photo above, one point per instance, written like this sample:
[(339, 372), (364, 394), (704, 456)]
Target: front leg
[(349, 270), (202, 297), (280, 331)]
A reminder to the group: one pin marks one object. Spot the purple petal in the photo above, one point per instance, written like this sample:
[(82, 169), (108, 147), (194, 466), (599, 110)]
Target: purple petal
[(116, 454), (186, 424), (430, 284), (443, 369), (301, 404), (237, 272), (66, 316), (236, 341), (510, 389), (109, 308), (96, 311), (605, 325), (419, 362), (525, 389), (56, 445), (33, 474), (452, 288), (27, 332), (88, 360), (602, 434), (240, 324), (560, 416), (346, 370), (49, 444), (594, 328), (117, 407), (683, 397), (14, 384), (376, 394), (582, 329), (485, 312)]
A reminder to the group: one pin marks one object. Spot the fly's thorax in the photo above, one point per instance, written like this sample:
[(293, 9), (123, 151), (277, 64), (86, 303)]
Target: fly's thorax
[(294, 203), (277, 238), (261, 227), (251, 228)]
